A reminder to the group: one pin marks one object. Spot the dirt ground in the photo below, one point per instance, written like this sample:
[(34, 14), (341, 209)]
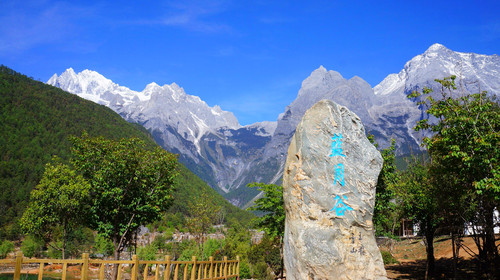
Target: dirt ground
[(410, 254)]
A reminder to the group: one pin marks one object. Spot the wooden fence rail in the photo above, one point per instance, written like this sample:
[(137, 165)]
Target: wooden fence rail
[(166, 269)]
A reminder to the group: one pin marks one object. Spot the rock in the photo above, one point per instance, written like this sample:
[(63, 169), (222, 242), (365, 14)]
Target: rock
[(329, 191)]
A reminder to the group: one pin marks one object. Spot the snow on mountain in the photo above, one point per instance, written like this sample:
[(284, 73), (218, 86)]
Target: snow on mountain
[(395, 115), (209, 140), (228, 156), (438, 62), (95, 87), (155, 105), (355, 93)]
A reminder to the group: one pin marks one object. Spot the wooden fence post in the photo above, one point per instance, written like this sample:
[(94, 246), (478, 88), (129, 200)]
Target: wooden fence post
[(211, 268), (19, 264), (65, 270), (225, 267), (238, 267), (193, 268), (135, 267), (85, 266), (166, 274), (40, 271)]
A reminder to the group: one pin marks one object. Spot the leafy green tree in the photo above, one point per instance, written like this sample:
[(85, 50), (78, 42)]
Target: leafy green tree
[(273, 219), (131, 186), (465, 148), (418, 197), (59, 200), (203, 215), (386, 213), (273, 208)]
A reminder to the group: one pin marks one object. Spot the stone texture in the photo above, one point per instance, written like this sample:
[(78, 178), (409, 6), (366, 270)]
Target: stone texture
[(329, 231)]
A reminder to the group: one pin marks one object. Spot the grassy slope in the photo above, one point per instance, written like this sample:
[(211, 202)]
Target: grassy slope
[(35, 122)]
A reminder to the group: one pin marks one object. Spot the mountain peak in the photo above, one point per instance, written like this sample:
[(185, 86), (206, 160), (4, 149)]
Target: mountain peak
[(151, 86), (321, 68), (69, 71), (320, 77), (436, 48)]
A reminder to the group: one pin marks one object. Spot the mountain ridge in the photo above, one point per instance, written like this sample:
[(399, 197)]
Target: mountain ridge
[(228, 156), (36, 120)]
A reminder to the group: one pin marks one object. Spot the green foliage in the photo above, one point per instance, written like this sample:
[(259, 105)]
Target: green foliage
[(466, 141), (272, 205), (237, 243), (148, 252), (103, 246), (245, 270), (213, 247), (418, 195), (5, 248), (266, 254), (160, 241), (386, 215), (35, 122), (31, 246), (189, 249), (203, 215), (53, 251), (190, 188), (131, 186), (388, 258), (465, 153), (59, 200)]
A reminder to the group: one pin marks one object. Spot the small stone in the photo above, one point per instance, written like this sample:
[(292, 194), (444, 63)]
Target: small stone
[(329, 191)]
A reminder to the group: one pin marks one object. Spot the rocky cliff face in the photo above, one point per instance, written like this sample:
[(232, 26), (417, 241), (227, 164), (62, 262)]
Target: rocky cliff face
[(228, 156), (209, 141)]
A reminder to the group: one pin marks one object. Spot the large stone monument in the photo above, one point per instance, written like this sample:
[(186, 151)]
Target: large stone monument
[(329, 191)]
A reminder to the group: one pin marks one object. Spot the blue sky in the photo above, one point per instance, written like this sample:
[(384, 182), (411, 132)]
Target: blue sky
[(249, 57)]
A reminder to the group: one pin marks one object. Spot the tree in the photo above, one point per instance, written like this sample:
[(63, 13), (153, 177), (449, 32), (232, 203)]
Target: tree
[(60, 199), (203, 215), (417, 195), (273, 208), (131, 186), (465, 148), (273, 219), (386, 215)]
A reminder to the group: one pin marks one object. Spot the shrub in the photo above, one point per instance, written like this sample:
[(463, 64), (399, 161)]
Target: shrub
[(5, 248), (245, 270), (103, 246), (53, 251), (31, 247), (388, 258), (148, 252)]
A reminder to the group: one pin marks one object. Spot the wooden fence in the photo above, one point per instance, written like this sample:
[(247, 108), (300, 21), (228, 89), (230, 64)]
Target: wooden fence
[(165, 269)]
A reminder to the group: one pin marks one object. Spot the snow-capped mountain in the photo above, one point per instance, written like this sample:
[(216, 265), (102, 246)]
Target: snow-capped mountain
[(474, 71), (395, 115), (228, 156), (153, 107), (209, 141)]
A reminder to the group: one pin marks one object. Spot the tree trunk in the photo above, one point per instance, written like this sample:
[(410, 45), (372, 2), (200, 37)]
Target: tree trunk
[(116, 256), (491, 252), (455, 244), (429, 246), (64, 242)]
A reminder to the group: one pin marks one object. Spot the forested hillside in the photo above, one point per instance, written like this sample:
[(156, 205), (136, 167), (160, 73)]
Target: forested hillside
[(35, 122)]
